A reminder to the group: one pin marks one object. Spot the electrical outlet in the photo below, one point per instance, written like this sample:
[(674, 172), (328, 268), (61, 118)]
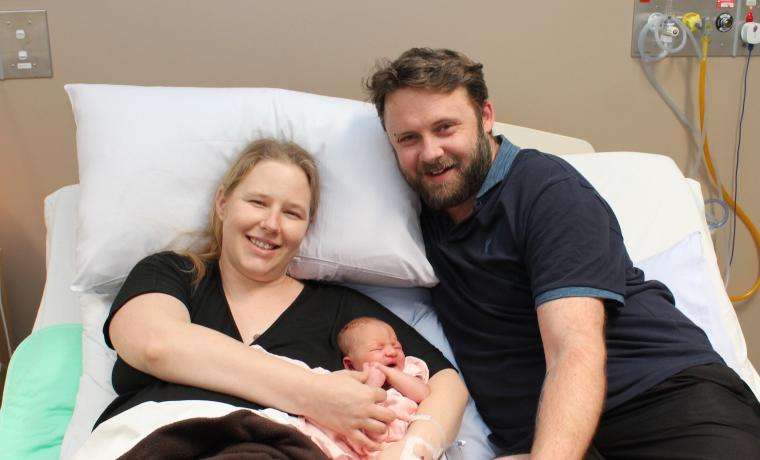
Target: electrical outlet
[(24, 45)]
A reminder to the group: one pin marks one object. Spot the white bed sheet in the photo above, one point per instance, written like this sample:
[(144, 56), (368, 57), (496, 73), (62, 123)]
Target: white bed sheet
[(59, 304)]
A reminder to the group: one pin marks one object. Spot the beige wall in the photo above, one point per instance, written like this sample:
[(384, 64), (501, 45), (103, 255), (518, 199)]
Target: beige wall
[(550, 65)]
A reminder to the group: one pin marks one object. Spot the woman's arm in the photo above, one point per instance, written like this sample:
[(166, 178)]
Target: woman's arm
[(445, 405), (153, 333)]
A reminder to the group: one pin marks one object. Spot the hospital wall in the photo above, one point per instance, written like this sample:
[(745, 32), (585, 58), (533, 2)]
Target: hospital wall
[(551, 65)]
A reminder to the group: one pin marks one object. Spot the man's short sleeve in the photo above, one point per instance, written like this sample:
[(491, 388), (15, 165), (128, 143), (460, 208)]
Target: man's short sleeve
[(573, 245), (165, 273)]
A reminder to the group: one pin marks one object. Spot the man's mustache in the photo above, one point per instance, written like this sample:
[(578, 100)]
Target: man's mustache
[(438, 165)]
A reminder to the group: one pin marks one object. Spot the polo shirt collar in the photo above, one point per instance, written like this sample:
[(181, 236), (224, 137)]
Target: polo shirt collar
[(500, 166)]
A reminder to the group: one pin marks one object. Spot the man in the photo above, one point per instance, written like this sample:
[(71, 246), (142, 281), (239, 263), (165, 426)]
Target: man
[(563, 345)]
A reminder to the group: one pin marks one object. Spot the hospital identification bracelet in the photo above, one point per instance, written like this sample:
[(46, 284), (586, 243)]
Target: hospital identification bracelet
[(409, 453), (441, 432)]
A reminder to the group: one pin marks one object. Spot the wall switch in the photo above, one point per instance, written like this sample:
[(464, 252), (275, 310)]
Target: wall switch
[(24, 44)]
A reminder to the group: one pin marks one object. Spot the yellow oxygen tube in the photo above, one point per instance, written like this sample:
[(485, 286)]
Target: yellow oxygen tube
[(711, 169)]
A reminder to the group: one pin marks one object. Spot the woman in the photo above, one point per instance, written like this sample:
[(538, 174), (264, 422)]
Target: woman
[(182, 326)]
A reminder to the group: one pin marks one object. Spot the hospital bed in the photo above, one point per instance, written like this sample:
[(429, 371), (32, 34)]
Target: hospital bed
[(59, 380)]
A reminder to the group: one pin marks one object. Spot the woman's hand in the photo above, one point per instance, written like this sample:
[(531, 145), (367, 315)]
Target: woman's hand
[(342, 402)]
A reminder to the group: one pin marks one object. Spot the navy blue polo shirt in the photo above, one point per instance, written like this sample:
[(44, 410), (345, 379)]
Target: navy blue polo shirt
[(539, 231)]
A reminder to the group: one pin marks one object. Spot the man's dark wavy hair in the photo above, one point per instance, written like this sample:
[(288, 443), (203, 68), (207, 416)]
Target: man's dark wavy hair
[(435, 69)]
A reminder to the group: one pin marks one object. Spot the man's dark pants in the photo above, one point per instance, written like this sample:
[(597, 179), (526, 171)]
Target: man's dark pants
[(704, 412)]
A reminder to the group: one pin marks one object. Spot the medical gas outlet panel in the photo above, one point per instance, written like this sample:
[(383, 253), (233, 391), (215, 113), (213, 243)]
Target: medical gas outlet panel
[(672, 24), (24, 45)]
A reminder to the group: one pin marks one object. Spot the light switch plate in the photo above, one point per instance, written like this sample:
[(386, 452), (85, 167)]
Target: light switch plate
[(34, 40)]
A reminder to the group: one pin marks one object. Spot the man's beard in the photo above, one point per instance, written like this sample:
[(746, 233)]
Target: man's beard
[(464, 184)]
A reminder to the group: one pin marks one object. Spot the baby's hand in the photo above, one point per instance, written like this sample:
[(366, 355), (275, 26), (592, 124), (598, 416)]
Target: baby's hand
[(386, 370), (376, 377)]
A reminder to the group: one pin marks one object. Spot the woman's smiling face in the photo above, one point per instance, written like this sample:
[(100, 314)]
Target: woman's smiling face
[(264, 219)]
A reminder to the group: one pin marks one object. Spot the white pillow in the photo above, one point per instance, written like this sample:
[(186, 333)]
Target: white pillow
[(686, 269), (649, 195), (151, 158)]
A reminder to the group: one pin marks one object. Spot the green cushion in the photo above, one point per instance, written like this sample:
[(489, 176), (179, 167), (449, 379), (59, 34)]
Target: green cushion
[(40, 392)]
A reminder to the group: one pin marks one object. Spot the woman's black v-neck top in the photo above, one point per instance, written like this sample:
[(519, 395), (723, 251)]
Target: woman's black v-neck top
[(307, 330)]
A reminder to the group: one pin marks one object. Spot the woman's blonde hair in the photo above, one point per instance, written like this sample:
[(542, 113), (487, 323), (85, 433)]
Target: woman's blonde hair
[(260, 150)]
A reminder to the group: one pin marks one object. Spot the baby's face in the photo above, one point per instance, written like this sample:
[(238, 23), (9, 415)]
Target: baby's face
[(375, 342)]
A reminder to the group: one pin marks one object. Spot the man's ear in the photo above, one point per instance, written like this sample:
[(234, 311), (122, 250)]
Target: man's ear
[(220, 202), (489, 117), (347, 363)]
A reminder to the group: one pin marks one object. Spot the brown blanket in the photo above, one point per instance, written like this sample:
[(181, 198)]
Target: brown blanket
[(241, 435)]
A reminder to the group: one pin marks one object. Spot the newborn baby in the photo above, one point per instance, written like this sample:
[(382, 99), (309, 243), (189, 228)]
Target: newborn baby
[(371, 344)]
